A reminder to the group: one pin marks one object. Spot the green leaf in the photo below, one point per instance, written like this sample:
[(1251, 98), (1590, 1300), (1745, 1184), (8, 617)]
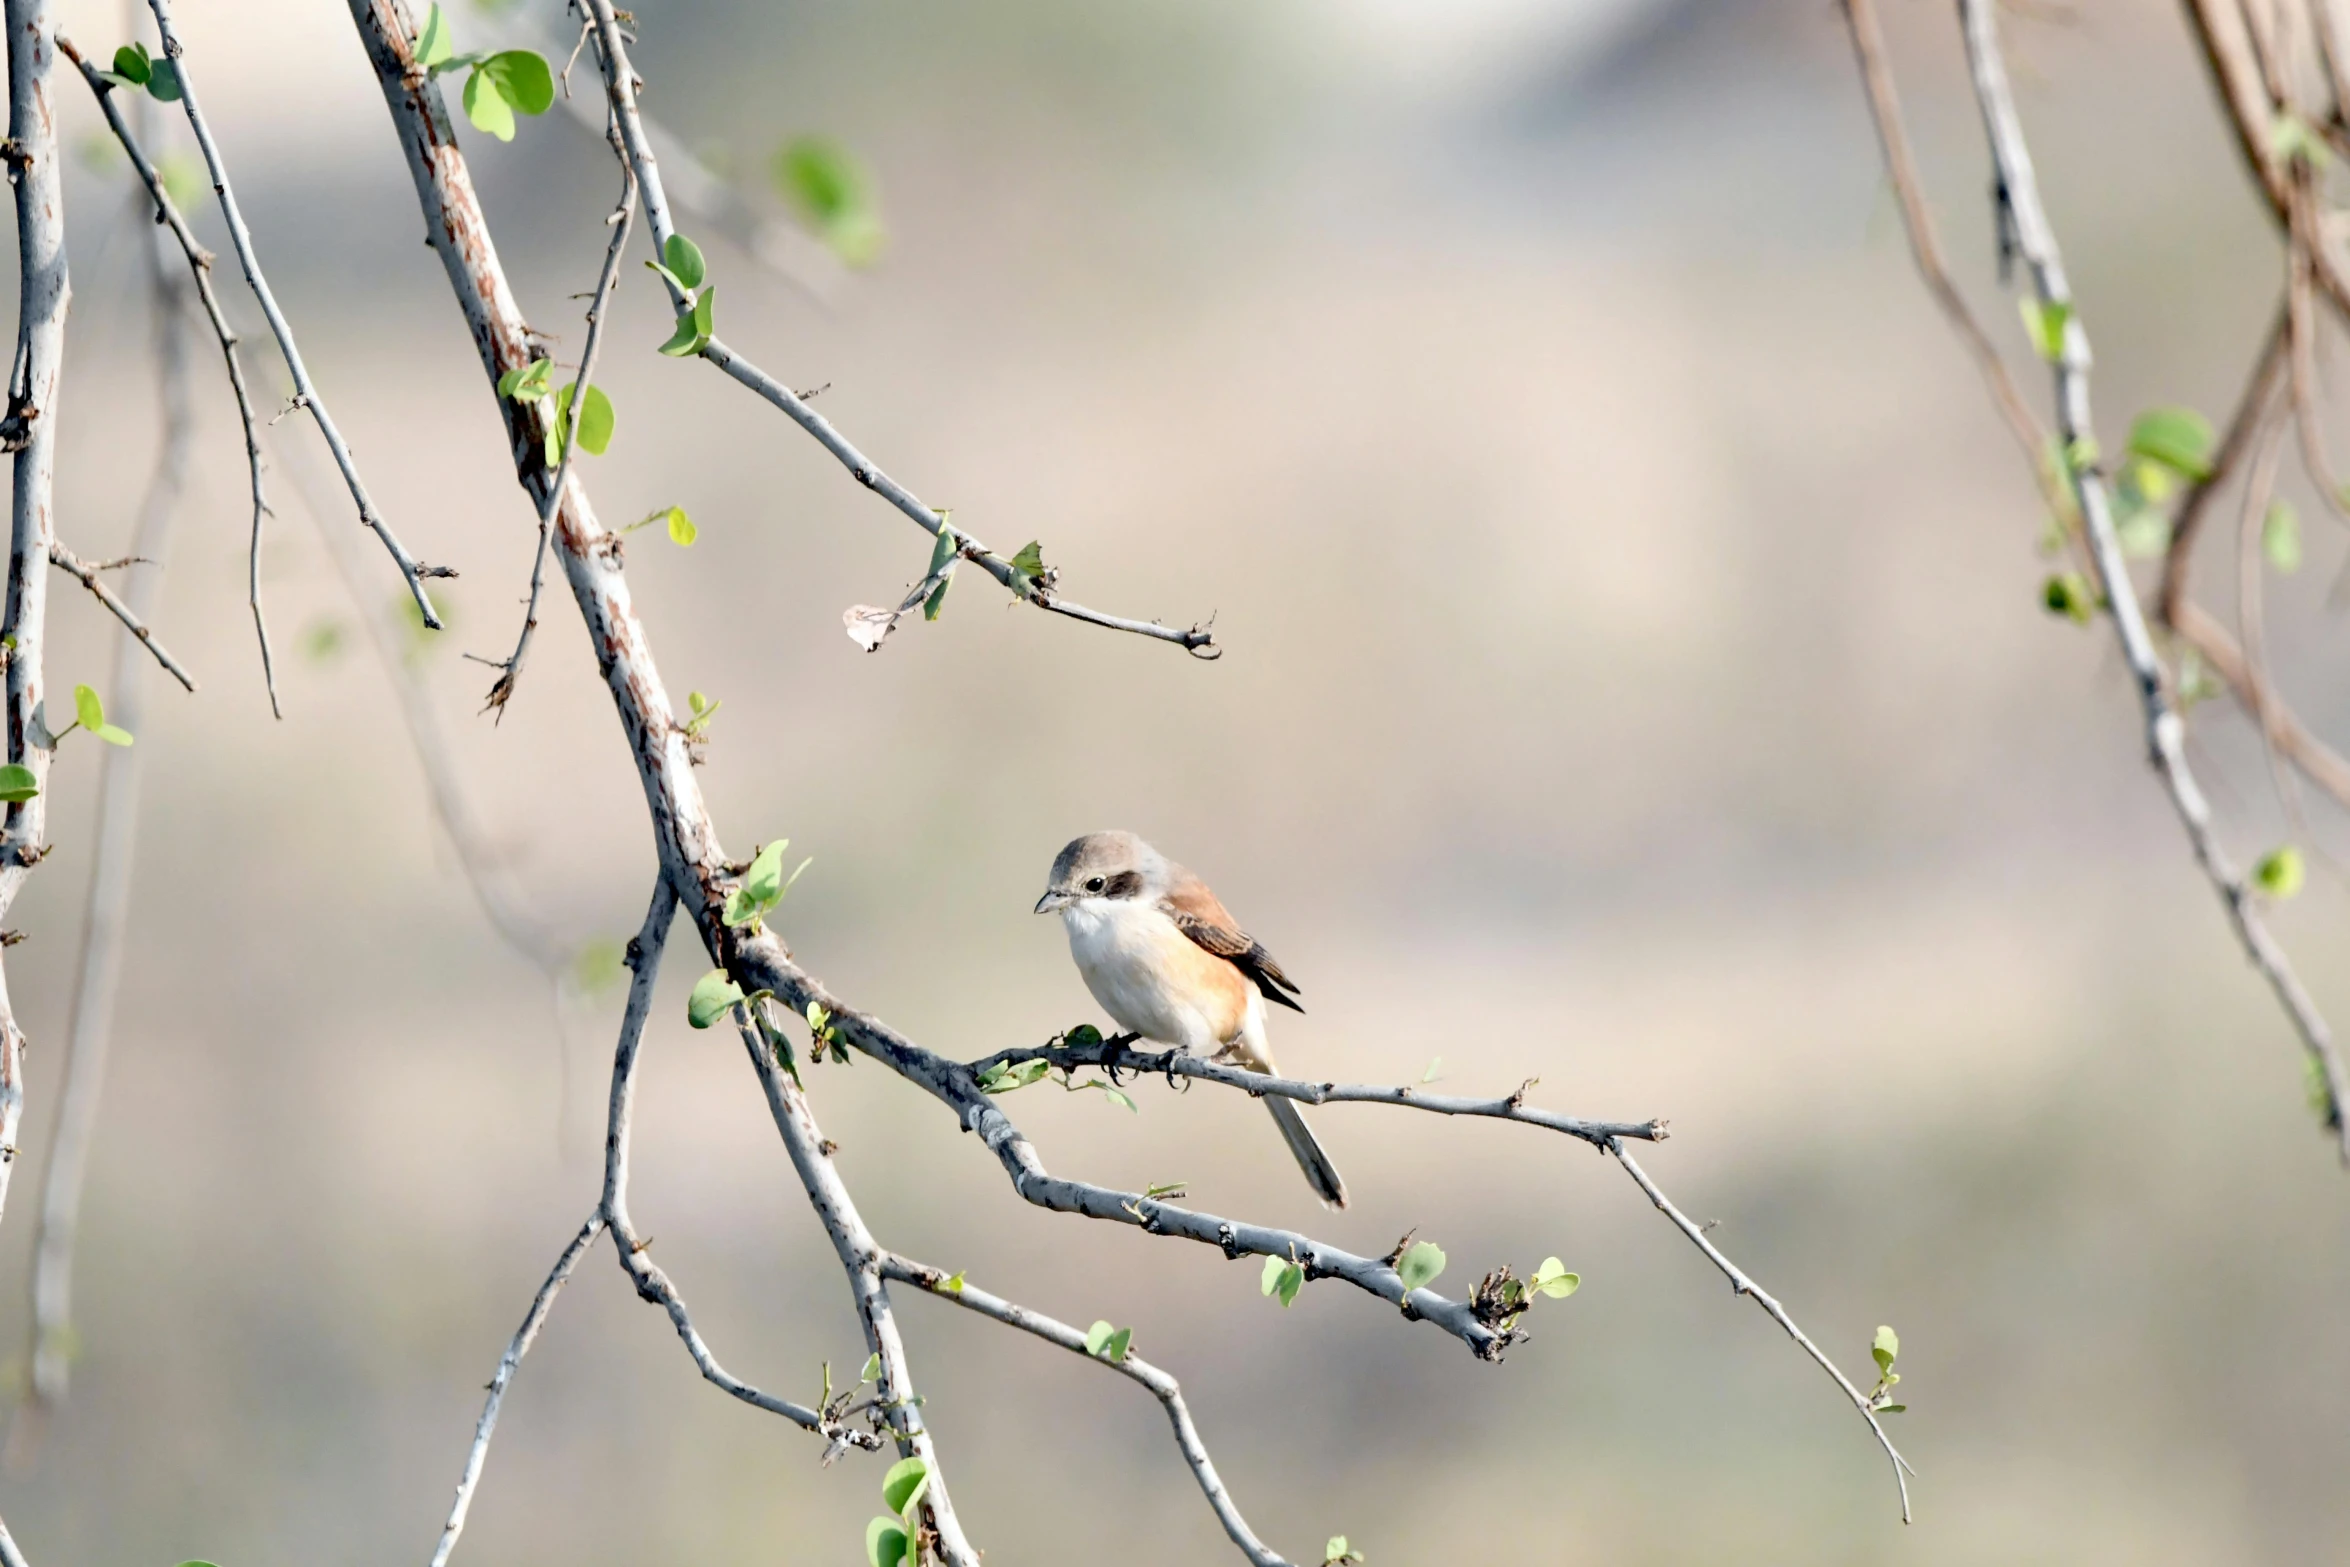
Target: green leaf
[(1293, 1279), (687, 339), (899, 1484), (87, 708), (523, 78), (1419, 1266), (2280, 537), (2177, 438), (872, 1367), (1119, 1096), (1096, 1336), (1884, 1347), (112, 735), (682, 531), (1429, 1076), (953, 1284), (486, 107), (1553, 1279), (885, 1544), (17, 783), (132, 65), (741, 908), (2045, 324), (1114, 1350), (1892, 1409), (937, 599), (433, 45), (1083, 1037), (713, 994), (684, 262), (2280, 872), (1030, 559), (2081, 453), (705, 305), (834, 196), (163, 81), (1336, 1552), (764, 880), (529, 383), (595, 421), (2068, 593)]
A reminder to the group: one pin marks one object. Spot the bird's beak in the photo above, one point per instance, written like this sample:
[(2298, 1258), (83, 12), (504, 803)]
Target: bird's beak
[(1052, 901)]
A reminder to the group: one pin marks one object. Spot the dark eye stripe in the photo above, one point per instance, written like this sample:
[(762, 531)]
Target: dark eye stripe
[(1125, 884)]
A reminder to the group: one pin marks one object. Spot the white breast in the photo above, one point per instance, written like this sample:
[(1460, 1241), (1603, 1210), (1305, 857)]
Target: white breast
[(1123, 948)]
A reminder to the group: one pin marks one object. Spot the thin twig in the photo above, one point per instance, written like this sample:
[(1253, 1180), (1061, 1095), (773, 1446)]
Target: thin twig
[(532, 1321), (2036, 242), (1742, 1285), (2251, 625), (2252, 410), (622, 217), (620, 87), (1158, 1383), (1925, 245), (200, 269), (72, 565), (306, 394)]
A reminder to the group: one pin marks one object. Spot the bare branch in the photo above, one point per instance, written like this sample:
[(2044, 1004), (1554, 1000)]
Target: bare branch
[(2252, 411), (1925, 245), (200, 269), (532, 1321), (306, 394), (1158, 1383), (2035, 239), (1740, 1284), (65, 560), (620, 86)]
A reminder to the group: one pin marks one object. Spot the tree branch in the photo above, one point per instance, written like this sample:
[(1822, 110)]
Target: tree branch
[(620, 87), (1115, 1055), (306, 394), (2023, 216), (532, 1321), (72, 565), (200, 270), (1158, 1383)]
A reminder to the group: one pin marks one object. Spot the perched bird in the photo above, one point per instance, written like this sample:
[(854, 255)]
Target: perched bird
[(1167, 962)]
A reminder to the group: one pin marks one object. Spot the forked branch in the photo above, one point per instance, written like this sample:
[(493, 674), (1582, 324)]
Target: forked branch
[(1037, 588), (306, 394)]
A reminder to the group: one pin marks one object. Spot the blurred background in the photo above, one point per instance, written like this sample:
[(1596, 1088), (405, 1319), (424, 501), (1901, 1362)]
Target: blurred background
[(1634, 648)]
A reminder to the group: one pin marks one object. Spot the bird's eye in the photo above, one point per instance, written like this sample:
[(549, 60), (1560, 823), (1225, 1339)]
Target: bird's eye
[(1094, 885)]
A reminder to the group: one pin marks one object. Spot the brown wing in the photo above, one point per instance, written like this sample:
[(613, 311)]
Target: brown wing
[(1198, 915)]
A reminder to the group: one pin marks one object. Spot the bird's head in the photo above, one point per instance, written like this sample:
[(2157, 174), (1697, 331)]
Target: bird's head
[(1105, 866)]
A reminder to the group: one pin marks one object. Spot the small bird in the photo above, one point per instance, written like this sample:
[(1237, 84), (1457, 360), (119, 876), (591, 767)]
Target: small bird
[(1167, 962)]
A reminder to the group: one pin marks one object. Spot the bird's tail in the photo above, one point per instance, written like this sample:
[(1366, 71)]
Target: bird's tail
[(1321, 1174)]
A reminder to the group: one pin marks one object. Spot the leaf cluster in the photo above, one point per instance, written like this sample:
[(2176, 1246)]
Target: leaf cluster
[(497, 86)]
